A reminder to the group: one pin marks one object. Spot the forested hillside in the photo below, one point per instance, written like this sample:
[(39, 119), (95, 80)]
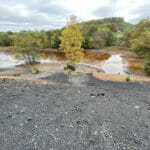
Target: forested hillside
[(105, 32), (114, 21)]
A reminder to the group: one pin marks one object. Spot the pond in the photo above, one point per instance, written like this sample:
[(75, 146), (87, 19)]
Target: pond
[(115, 65), (109, 63)]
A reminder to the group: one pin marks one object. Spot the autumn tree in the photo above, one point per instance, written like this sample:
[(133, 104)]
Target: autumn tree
[(6, 38), (140, 43), (87, 32), (55, 41), (71, 42), (139, 38), (44, 39), (100, 38), (26, 46)]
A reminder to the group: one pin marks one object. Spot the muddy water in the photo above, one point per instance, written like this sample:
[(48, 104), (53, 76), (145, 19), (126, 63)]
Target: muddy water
[(109, 63), (115, 65)]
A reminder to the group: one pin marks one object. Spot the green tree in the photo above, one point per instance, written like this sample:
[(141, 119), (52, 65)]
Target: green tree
[(101, 38), (6, 38), (139, 39), (147, 66), (141, 44), (26, 47), (44, 39), (112, 26), (55, 41), (87, 32)]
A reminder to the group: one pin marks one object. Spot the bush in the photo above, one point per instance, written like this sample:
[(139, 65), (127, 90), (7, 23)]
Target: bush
[(70, 67), (147, 66), (128, 79), (26, 47), (35, 70), (65, 68)]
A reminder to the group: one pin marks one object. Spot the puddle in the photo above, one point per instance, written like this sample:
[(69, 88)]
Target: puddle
[(115, 65)]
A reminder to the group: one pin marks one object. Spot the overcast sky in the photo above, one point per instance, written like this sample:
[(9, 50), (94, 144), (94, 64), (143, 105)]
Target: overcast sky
[(16, 15)]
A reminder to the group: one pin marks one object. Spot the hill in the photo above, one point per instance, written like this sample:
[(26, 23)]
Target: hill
[(119, 22)]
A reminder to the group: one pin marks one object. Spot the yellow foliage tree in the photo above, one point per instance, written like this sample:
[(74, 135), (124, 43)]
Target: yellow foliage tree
[(71, 42)]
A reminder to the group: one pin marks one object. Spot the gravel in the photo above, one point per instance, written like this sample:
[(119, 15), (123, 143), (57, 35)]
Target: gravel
[(93, 115)]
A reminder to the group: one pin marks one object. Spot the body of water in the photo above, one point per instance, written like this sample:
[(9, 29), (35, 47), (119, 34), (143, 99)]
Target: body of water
[(112, 64), (115, 65)]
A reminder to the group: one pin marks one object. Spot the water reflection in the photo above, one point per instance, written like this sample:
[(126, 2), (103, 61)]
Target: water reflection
[(115, 65)]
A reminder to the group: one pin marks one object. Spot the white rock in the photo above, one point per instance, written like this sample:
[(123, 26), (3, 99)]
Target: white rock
[(137, 107)]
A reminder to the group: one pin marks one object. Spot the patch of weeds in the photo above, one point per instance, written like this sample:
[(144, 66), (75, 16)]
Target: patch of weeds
[(65, 68), (128, 79), (147, 66), (70, 67), (35, 70)]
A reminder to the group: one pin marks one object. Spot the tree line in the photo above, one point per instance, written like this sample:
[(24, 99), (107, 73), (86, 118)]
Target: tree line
[(96, 34), (49, 39)]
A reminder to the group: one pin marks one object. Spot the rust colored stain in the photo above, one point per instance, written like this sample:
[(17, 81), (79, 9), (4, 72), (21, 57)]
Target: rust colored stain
[(96, 56)]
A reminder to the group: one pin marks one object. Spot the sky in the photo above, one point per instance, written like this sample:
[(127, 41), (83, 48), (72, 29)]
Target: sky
[(16, 15)]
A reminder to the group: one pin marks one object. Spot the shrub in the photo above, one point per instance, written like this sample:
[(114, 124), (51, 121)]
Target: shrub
[(26, 46), (35, 70), (147, 66), (70, 67), (65, 68), (128, 79)]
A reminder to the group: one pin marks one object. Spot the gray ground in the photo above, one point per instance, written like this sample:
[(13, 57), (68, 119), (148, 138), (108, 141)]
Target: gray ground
[(90, 115)]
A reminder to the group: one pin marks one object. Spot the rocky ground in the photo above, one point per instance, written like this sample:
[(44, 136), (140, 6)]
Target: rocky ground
[(89, 114)]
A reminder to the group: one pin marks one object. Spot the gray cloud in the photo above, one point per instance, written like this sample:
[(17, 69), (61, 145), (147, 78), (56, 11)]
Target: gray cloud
[(18, 15), (31, 15), (142, 12), (112, 9), (104, 12)]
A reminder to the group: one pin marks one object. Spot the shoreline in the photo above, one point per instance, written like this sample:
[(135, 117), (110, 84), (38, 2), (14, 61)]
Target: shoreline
[(25, 71)]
